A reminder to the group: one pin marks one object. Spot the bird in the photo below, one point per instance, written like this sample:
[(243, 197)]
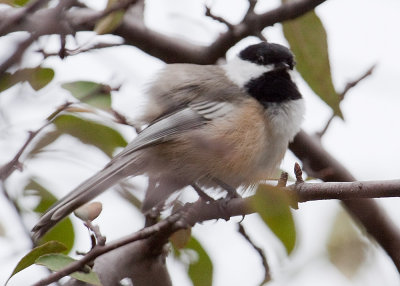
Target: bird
[(215, 127)]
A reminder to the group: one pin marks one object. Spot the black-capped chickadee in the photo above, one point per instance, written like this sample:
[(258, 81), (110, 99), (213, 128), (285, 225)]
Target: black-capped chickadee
[(207, 125)]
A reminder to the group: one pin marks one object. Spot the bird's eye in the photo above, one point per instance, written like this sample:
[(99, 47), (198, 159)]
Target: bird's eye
[(260, 59)]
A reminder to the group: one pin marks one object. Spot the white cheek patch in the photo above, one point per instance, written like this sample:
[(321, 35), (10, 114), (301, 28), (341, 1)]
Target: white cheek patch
[(241, 72)]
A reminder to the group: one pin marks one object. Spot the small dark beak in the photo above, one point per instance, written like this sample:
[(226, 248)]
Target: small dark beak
[(284, 66)]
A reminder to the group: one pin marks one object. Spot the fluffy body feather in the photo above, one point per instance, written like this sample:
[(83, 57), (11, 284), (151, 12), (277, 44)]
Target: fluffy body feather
[(203, 123)]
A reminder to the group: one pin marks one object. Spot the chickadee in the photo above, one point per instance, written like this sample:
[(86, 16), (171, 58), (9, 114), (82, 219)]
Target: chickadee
[(208, 126)]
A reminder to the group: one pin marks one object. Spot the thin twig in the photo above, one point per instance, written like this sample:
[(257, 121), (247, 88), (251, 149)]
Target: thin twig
[(100, 239), (210, 14), (73, 52), (267, 274), (18, 53), (57, 12), (252, 5), (353, 83), (121, 119), (250, 11), (17, 210), (348, 87), (162, 226), (283, 180), (63, 50), (7, 169), (298, 173), (21, 13), (117, 6)]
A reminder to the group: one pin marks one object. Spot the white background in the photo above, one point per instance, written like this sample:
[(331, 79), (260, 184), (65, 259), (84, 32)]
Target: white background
[(360, 34)]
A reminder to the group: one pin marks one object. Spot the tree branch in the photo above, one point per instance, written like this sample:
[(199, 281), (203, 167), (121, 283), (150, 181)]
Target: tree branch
[(318, 162), (172, 50), (259, 250), (315, 159), (7, 169), (35, 23), (192, 213), (18, 53), (346, 190), (348, 87), (210, 14), (160, 227), (18, 14), (156, 44)]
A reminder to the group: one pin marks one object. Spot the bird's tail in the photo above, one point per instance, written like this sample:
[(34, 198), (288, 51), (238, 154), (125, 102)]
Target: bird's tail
[(89, 189)]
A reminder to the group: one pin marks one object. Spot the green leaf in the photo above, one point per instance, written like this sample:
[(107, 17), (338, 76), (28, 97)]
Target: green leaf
[(201, 270), (40, 77), (15, 3), (44, 140), (57, 262), (90, 132), (110, 22), (273, 206), (6, 81), (93, 93), (347, 249), (37, 77), (308, 41), (21, 2), (30, 258), (64, 230), (46, 198)]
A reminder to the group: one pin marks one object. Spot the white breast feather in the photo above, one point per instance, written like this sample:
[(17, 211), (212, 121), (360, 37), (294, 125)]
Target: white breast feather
[(286, 117)]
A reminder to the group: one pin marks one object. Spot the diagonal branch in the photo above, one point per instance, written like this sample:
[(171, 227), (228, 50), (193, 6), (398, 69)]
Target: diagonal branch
[(346, 89), (162, 226), (17, 54), (317, 160), (7, 169), (18, 14), (259, 250)]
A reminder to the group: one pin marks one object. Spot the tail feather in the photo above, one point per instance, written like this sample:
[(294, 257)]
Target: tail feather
[(86, 191)]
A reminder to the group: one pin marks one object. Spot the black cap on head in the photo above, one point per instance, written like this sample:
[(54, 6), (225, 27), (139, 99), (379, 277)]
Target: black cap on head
[(266, 53)]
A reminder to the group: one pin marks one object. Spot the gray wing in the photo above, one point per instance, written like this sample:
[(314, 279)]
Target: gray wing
[(161, 130), (182, 120), (187, 118)]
